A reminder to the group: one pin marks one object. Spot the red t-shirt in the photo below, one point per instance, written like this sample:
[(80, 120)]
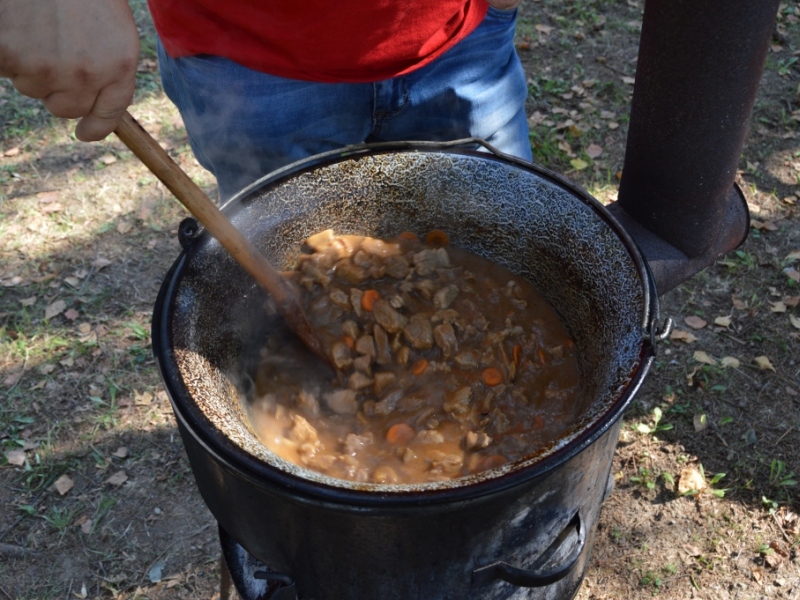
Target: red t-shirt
[(318, 40)]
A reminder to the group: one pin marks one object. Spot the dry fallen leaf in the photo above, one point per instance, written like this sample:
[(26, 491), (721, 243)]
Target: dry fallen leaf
[(695, 322), (118, 478), (545, 29), (723, 321), (793, 255), (682, 336), (793, 274), (84, 328), (738, 304), (763, 363), (578, 164), (777, 307), (15, 457), (690, 480), (773, 561), (142, 399), (28, 301), (108, 159), (64, 484), (702, 357), (758, 574), (72, 314), (124, 227), (54, 309), (86, 526), (700, 422), (628, 80), (730, 361), (121, 452), (99, 263), (593, 150), (794, 321), (692, 550), (791, 301)]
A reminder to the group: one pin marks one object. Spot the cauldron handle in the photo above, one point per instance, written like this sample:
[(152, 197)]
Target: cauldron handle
[(535, 577)]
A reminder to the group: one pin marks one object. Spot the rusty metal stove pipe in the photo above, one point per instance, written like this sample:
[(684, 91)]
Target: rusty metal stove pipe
[(700, 62)]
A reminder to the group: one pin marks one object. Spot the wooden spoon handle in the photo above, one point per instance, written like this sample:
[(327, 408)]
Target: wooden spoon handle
[(206, 212)]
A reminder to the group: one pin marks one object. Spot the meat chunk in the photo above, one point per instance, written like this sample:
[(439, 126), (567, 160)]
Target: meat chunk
[(430, 436), (445, 337), (397, 267), (342, 402), (444, 297), (363, 364), (383, 381), (418, 333), (366, 345), (476, 440), (425, 262), (388, 318), (302, 431), (308, 402), (383, 350), (340, 355), (469, 359), (351, 328), (340, 298), (359, 381), (458, 402), (355, 301), (389, 403), (350, 272), (353, 443)]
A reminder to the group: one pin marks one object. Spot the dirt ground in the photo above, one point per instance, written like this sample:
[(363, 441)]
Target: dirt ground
[(97, 497)]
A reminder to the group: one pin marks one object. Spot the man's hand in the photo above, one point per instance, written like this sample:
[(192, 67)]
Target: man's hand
[(78, 56)]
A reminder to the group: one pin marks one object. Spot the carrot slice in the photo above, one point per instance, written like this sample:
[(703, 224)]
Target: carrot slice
[(517, 354), (542, 358), (437, 237), (418, 368), (368, 299), (492, 376), (399, 433), (351, 343), (408, 235)]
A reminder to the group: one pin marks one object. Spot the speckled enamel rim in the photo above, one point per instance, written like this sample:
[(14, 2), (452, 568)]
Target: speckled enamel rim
[(318, 487)]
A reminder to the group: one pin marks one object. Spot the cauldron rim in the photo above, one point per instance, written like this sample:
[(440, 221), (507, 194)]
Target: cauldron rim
[(258, 472)]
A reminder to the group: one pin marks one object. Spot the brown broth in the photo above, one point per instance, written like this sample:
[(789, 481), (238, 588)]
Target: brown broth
[(448, 365)]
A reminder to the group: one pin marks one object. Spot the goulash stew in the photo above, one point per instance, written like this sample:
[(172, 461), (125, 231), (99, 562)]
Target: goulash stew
[(447, 364)]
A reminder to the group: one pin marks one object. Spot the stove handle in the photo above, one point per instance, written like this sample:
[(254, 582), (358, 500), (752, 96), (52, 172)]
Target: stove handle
[(536, 576)]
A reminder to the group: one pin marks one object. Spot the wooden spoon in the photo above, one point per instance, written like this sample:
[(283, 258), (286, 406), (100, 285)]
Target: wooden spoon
[(206, 212)]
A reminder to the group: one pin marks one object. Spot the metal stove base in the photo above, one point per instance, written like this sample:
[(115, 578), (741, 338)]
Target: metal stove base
[(244, 577)]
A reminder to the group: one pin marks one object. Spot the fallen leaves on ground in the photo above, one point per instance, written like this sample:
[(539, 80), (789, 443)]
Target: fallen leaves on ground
[(690, 480), (703, 357), (118, 478), (54, 309), (682, 336), (64, 484), (763, 362), (695, 322)]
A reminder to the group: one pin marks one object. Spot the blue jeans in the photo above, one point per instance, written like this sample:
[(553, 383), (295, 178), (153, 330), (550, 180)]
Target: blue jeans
[(243, 124)]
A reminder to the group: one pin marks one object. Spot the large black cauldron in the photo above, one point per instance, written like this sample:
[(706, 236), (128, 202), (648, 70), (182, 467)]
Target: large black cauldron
[(522, 531)]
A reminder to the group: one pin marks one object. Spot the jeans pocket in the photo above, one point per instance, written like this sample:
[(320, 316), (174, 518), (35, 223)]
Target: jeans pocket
[(501, 15)]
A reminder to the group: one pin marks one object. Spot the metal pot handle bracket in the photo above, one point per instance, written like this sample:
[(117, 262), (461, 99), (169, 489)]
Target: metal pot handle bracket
[(574, 532)]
